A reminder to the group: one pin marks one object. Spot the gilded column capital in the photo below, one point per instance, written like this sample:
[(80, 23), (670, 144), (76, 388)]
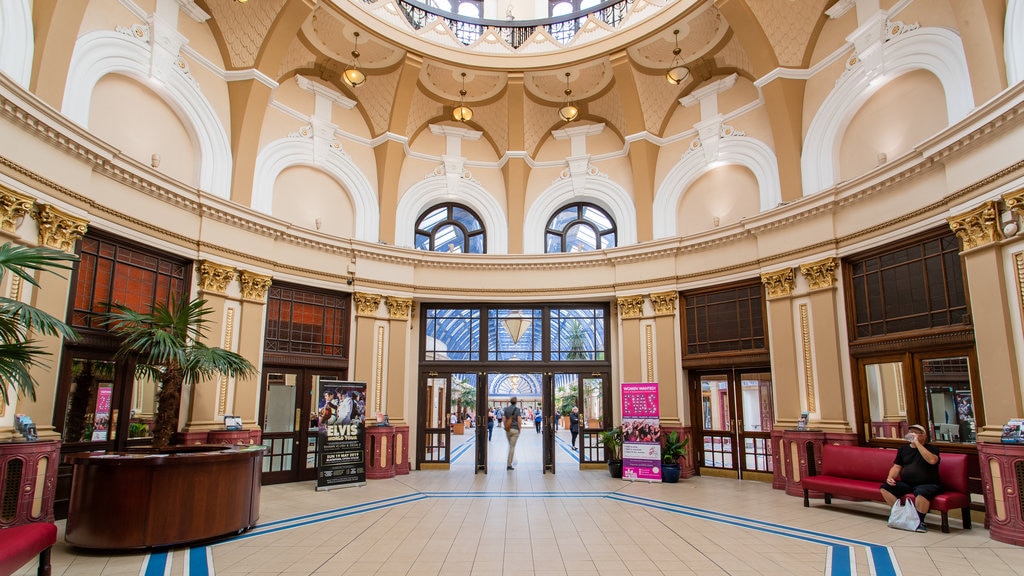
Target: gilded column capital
[(13, 207), (820, 274), (254, 286), (664, 302), (398, 308), (778, 283), (978, 227), (58, 229), (366, 304), (631, 306), (1015, 202), (214, 277)]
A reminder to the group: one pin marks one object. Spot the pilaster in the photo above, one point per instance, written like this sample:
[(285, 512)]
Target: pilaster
[(782, 332), (369, 347), (663, 355), (400, 348)]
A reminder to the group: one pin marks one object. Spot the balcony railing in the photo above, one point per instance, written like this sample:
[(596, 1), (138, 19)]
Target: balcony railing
[(515, 33)]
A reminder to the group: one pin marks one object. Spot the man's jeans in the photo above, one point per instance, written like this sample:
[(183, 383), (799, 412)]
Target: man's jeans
[(513, 437)]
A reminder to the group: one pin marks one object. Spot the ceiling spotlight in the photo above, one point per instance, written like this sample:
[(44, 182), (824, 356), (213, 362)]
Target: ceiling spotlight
[(462, 113), (353, 76), (678, 73), (568, 111)]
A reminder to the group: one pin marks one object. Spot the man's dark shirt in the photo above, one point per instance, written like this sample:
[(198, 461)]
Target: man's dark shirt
[(915, 469), (514, 413)]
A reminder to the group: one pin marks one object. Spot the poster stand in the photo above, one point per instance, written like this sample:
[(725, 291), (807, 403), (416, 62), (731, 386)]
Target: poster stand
[(641, 432), (341, 434)]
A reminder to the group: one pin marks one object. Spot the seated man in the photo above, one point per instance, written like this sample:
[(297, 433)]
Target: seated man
[(917, 467)]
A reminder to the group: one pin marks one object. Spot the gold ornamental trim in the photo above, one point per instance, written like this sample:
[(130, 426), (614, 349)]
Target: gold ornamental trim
[(13, 208), (649, 348), (398, 308), (215, 277), (664, 302), (58, 229), (1014, 202), (229, 337), (979, 227), (631, 306), (378, 385), (820, 274), (254, 286), (805, 342), (366, 304), (778, 283)]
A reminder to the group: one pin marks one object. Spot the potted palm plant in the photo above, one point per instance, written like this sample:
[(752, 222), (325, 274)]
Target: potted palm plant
[(670, 455), (167, 345), (612, 440)]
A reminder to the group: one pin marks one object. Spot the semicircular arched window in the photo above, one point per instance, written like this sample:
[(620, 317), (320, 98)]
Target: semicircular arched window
[(579, 227), (451, 228)]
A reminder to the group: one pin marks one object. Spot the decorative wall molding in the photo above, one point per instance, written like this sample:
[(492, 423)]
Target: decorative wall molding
[(13, 208), (378, 372), (1014, 202), (398, 308), (805, 346), (432, 191), (1013, 47), (649, 352), (58, 229), (664, 302), (17, 42), (820, 274), (631, 306), (228, 341), (602, 192), (978, 227), (366, 304), (213, 277), (779, 283), (254, 286)]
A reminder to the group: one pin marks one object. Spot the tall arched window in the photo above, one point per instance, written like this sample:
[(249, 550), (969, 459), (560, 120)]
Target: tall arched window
[(451, 228), (579, 227)]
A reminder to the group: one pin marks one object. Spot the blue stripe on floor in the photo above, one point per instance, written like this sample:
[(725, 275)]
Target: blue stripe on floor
[(461, 449), (882, 561), (199, 562), (157, 564)]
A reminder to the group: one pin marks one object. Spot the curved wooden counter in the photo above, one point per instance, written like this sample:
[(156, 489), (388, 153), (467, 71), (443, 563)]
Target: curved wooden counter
[(126, 500)]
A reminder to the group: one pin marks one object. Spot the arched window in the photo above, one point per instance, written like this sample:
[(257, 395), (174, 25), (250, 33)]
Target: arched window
[(579, 227), (451, 228)]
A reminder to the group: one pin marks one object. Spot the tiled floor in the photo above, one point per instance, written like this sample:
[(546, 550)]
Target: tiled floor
[(572, 523)]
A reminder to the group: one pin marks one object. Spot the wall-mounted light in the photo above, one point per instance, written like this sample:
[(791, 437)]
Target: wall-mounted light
[(462, 113), (568, 111), (677, 73), (353, 76)]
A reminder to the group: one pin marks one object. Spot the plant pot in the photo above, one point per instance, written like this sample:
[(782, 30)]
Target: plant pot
[(615, 468), (670, 473)]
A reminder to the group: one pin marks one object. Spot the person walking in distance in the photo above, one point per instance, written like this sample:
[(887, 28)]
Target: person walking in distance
[(574, 425), (513, 423)]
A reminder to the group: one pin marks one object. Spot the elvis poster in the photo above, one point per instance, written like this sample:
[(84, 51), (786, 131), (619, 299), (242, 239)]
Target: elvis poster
[(641, 432), (341, 434)]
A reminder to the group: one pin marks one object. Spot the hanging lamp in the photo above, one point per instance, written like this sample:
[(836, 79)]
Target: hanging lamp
[(462, 113), (678, 73), (353, 76), (569, 111)]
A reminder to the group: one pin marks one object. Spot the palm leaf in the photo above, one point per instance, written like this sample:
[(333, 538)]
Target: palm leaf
[(16, 360), (20, 260), (34, 319)]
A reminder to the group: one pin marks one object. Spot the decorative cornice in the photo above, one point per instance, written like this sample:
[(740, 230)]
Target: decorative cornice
[(398, 308), (1014, 202), (631, 306), (367, 304), (664, 302), (820, 274), (254, 286), (13, 207), (214, 277), (979, 227), (59, 229), (778, 283)]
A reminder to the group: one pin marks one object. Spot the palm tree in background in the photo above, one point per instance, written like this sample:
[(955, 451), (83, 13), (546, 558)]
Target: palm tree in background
[(167, 346), (19, 322)]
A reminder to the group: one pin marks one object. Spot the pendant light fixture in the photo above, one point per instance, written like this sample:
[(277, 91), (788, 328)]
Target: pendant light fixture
[(462, 113), (353, 76), (568, 111), (678, 73)]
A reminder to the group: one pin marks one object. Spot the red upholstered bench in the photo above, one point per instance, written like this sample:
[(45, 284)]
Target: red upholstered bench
[(858, 471), (19, 544)]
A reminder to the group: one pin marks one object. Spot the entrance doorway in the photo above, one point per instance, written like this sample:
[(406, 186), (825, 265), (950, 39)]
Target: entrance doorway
[(289, 422), (734, 415)]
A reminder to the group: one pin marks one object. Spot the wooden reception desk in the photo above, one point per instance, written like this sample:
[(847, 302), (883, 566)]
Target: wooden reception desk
[(128, 501)]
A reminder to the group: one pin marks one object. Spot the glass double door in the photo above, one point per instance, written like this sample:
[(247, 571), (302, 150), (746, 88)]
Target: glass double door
[(289, 420), (734, 418)]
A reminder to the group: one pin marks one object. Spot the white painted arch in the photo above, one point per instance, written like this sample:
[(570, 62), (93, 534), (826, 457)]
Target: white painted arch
[(936, 50), (1013, 49), (597, 190), (16, 40), (432, 191), (100, 53), (295, 151), (744, 151)]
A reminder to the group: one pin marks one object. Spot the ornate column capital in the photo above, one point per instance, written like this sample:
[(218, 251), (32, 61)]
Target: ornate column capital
[(398, 308), (13, 207), (254, 286), (631, 306), (58, 229), (820, 274), (366, 304), (778, 283), (214, 277), (664, 302), (978, 227)]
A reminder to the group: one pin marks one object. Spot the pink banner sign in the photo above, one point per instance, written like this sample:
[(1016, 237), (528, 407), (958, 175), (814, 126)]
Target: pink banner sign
[(641, 432)]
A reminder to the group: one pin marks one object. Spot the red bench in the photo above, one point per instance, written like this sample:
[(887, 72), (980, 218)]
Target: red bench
[(858, 471), (19, 544)]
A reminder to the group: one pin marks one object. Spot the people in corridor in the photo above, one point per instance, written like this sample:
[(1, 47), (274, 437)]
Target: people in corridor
[(513, 423), (537, 419), (915, 470), (490, 424), (574, 425)]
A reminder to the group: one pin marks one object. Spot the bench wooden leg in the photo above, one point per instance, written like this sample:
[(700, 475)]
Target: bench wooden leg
[(828, 498), (44, 563), (807, 502), (966, 515), (945, 522)]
